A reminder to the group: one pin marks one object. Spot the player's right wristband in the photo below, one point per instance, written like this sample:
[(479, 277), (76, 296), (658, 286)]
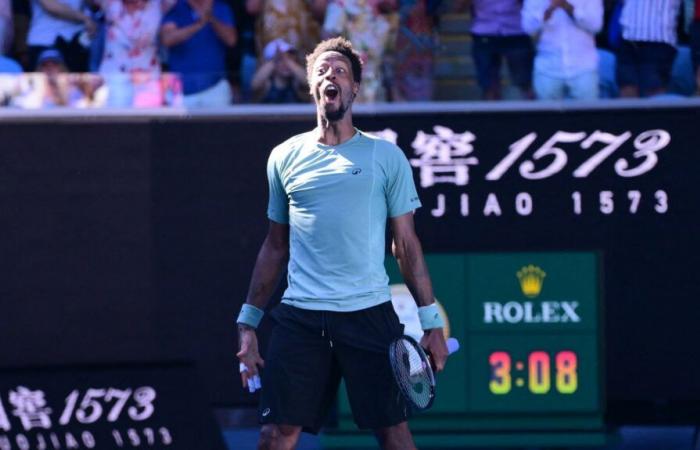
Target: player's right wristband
[(430, 317), (250, 315)]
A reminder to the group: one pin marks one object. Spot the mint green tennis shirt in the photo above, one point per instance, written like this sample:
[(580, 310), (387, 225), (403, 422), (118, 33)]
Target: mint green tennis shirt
[(336, 200)]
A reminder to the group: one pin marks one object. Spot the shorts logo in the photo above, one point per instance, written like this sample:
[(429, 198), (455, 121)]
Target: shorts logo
[(266, 412), (356, 171)]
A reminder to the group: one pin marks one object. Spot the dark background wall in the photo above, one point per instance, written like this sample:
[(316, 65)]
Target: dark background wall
[(133, 240)]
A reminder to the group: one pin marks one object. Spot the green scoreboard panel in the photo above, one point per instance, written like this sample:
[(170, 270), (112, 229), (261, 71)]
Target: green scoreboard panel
[(529, 369), (532, 333)]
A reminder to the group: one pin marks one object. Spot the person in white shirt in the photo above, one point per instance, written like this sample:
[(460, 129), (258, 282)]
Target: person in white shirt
[(566, 63)]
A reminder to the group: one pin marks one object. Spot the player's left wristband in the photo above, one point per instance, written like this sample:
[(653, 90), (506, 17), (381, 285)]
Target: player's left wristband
[(430, 317), (250, 315)]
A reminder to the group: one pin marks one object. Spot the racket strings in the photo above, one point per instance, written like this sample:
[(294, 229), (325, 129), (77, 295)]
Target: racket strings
[(412, 374)]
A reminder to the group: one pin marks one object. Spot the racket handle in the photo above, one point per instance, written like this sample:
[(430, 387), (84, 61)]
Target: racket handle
[(452, 345)]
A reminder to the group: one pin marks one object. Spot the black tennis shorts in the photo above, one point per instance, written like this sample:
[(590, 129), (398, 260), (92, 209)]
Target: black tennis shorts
[(309, 352)]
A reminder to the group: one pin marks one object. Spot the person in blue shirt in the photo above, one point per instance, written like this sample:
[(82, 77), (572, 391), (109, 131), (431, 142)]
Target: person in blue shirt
[(198, 34), (332, 192)]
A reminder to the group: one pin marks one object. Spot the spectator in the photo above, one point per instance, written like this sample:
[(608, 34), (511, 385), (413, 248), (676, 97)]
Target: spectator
[(5, 26), (280, 79), (59, 91), (62, 25), (497, 34), (692, 16), (566, 63), (646, 54), (130, 47), (366, 25), (415, 45), (295, 21), (198, 33), (131, 41)]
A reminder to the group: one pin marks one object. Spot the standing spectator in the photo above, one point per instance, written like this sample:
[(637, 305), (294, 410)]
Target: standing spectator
[(415, 46), (280, 79), (295, 21), (692, 17), (198, 33), (646, 54), (566, 63), (61, 24), (131, 41), (496, 35), (366, 24), (5, 26), (130, 47)]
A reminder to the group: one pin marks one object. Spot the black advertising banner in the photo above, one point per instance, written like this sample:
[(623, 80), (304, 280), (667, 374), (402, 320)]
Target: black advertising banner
[(156, 223), (157, 407)]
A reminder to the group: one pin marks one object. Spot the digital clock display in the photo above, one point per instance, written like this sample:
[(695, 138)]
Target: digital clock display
[(533, 373), (538, 370)]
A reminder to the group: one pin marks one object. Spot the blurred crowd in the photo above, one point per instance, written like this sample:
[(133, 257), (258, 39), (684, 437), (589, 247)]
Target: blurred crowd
[(209, 53)]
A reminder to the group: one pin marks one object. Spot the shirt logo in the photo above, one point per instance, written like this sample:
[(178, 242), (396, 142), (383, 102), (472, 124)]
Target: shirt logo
[(356, 171), (266, 412)]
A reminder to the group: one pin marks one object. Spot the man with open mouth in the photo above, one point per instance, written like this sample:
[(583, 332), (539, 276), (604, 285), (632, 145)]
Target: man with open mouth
[(332, 191)]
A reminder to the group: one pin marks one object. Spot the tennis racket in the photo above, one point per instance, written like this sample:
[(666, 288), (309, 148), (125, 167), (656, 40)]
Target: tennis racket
[(413, 372)]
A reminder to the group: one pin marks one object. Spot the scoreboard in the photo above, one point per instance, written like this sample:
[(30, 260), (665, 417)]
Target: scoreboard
[(530, 364), (532, 333)]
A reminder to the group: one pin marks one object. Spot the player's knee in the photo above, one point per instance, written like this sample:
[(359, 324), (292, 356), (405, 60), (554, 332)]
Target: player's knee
[(278, 437)]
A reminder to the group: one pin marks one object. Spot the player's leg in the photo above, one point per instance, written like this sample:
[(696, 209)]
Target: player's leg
[(361, 342), (396, 437), (278, 437), (300, 378)]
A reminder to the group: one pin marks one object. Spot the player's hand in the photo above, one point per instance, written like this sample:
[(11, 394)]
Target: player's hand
[(249, 354), (433, 341)]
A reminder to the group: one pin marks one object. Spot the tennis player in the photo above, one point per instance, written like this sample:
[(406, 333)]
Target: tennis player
[(331, 192)]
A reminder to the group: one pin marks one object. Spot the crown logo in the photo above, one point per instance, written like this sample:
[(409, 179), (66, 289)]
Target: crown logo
[(531, 278)]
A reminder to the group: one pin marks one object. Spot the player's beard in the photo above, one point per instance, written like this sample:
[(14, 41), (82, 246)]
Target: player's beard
[(334, 115)]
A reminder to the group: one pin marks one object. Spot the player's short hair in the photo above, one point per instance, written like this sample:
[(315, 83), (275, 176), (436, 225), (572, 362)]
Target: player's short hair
[(340, 45)]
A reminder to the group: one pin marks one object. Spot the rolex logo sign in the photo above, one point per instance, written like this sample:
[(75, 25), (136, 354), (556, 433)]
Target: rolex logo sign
[(531, 278)]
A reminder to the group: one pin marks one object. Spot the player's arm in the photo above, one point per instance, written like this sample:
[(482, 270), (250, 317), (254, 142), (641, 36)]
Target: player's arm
[(269, 266), (271, 261), (409, 254)]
